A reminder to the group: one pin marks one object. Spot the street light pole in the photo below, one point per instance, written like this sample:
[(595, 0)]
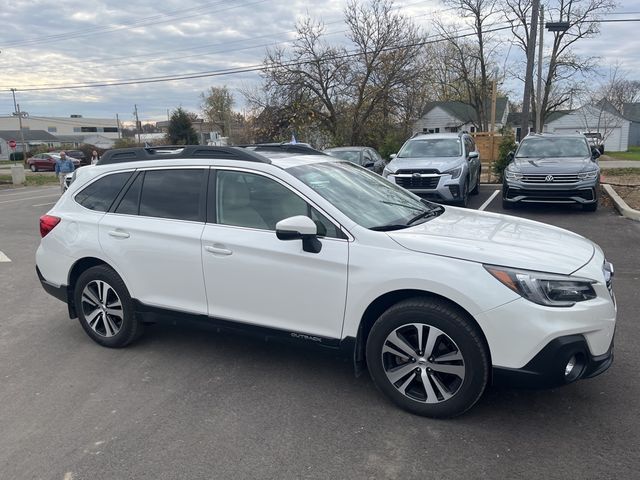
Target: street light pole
[(539, 124)]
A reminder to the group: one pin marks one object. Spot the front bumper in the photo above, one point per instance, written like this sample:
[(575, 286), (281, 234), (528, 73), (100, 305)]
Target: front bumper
[(583, 192), (437, 187), (548, 368)]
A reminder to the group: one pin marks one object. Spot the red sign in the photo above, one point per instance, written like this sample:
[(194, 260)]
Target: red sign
[(12, 143)]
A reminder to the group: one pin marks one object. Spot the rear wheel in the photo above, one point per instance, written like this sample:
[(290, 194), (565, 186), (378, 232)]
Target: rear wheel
[(427, 358), (105, 309)]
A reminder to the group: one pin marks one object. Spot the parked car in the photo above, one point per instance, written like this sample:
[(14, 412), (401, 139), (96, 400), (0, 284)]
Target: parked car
[(366, 157), (595, 140), (550, 168), (79, 154), (437, 302), (443, 167), (46, 162)]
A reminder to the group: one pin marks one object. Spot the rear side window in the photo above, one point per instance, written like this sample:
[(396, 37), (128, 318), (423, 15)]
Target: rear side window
[(174, 193), (129, 203), (100, 194)]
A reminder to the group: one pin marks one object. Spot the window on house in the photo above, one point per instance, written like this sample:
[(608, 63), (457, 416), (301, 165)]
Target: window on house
[(76, 129), (52, 129), (453, 129), (88, 129), (110, 129)]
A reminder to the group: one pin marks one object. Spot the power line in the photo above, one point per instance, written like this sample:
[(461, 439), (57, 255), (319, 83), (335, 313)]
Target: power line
[(248, 69)]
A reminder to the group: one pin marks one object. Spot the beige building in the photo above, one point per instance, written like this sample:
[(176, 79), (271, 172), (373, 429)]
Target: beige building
[(75, 125)]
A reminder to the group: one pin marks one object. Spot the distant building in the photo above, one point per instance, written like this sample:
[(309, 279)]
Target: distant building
[(75, 125), (32, 138), (631, 111), (441, 117)]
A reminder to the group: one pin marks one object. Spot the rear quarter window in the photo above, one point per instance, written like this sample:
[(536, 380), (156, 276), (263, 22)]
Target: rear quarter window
[(100, 194)]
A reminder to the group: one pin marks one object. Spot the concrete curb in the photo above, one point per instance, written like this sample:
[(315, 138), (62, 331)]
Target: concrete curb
[(622, 207)]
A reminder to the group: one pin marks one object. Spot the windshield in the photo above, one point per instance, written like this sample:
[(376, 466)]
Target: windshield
[(431, 147), (348, 155), (553, 147), (365, 197)]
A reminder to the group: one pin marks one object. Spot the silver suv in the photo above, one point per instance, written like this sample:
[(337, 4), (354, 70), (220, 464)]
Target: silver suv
[(444, 167)]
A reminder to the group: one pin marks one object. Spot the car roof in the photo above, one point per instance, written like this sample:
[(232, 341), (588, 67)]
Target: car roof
[(553, 135), (345, 149), (423, 136)]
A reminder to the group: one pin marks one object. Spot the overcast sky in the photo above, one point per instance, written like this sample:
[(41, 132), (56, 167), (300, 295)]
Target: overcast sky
[(63, 42)]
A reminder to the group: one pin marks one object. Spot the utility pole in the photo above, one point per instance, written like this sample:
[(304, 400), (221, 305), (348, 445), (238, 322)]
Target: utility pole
[(118, 124), (539, 125), (137, 122), (528, 79), (24, 148), (494, 100), (15, 108)]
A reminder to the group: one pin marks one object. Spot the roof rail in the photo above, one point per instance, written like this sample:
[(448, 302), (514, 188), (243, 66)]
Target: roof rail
[(168, 152), (300, 148)]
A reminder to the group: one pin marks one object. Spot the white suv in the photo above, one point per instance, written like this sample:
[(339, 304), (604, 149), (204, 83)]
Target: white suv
[(436, 302)]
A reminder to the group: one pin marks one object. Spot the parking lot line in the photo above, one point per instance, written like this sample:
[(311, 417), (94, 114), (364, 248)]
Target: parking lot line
[(43, 204), (27, 192), (4, 258), (486, 204), (29, 198)]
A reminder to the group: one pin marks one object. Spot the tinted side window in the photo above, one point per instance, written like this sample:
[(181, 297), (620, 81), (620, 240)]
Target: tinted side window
[(173, 194), (130, 202), (100, 194)]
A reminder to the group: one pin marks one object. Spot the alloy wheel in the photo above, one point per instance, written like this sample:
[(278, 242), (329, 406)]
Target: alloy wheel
[(423, 363), (102, 308)]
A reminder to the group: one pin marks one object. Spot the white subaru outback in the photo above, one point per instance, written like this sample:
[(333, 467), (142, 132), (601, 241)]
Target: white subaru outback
[(436, 302)]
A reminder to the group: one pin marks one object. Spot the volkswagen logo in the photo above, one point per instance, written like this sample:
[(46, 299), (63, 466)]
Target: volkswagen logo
[(548, 178)]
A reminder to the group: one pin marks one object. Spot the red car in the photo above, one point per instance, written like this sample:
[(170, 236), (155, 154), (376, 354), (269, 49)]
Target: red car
[(46, 162)]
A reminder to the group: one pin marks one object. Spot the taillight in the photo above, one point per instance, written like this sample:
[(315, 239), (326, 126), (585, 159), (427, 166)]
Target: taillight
[(47, 223)]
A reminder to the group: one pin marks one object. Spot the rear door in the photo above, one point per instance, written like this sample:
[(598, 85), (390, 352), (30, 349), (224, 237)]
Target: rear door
[(151, 235)]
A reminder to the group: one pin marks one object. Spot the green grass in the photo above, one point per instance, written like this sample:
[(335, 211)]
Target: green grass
[(33, 180), (632, 154), (620, 172)]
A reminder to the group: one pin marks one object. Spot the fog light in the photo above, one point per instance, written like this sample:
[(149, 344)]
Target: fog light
[(571, 365)]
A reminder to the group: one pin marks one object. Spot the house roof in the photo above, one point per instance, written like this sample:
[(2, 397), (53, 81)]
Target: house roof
[(465, 112), (29, 135), (631, 111)]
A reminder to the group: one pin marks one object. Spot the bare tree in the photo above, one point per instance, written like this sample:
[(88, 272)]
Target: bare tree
[(561, 82), (216, 105), (473, 60)]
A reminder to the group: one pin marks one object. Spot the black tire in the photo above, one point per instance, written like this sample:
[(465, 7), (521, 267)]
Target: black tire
[(33, 168), (128, 326), (464, 202), (455, 331), (476, 189), (506, 205), (590, 207)]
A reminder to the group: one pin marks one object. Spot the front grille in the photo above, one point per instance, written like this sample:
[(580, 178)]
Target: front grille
[(557, 178), (422, 183), (560, 195)]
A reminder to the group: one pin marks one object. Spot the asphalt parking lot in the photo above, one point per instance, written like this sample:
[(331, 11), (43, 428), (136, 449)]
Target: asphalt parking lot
[(191, 403)]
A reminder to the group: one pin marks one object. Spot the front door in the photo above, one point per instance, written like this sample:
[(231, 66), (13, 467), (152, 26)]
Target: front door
[(253, 277)]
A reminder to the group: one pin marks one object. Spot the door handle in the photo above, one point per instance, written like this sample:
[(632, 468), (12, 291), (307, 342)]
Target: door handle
[(218, 250), (118, 234)]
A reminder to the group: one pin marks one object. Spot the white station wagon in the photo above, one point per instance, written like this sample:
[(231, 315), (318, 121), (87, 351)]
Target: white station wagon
[(436, 302)]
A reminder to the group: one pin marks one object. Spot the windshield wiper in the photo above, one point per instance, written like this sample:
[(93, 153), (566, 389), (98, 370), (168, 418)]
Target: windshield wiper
[(434, 212), (400, 204), (388, 228)]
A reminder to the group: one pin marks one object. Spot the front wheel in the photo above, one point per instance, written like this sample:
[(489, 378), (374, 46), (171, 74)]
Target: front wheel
[(476, 189), (105, 309), (33, 168), (428, 358)]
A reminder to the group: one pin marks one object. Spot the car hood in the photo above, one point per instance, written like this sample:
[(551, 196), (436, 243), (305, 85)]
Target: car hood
[(498, 240), (553, 165), (411, 163)]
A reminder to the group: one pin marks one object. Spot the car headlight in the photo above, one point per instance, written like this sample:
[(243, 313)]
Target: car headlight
[(545, 288), (588, 175), (386, 172), (454, 172), (509, 175)]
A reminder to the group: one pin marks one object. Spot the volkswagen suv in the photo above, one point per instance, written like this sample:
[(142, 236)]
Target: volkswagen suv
[(436, 302)]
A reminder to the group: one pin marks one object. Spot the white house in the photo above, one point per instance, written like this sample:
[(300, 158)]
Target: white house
[(75, 125), (602, 118), (440, 117)]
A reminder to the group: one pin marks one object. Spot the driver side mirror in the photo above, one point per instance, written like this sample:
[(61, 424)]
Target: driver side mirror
[(392, 156), (510, 156), (473, 155), (300, 227), (595, 153)]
